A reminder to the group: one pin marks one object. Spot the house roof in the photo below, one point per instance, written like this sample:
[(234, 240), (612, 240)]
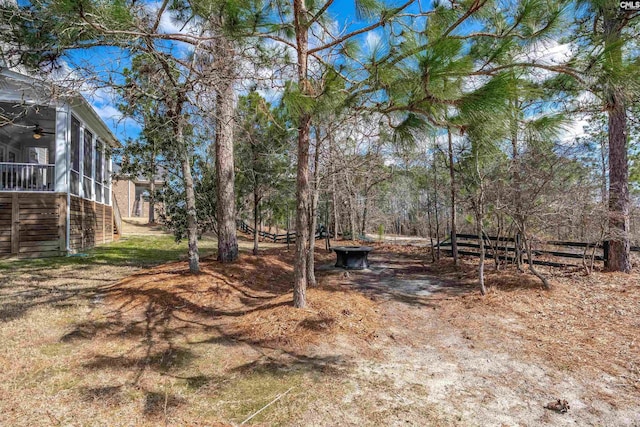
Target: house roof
[(80, 104), (28, 90)]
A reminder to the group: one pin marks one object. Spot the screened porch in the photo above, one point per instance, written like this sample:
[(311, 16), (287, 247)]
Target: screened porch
[(27, 152), (48, 149)]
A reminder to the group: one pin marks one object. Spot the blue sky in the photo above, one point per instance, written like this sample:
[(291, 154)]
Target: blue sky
[(103, 59)]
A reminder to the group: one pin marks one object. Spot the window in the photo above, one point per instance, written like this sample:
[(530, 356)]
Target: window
[(39, 155), (90, 173), (99, 179), (107, 178), (87, 164), (75, 156)]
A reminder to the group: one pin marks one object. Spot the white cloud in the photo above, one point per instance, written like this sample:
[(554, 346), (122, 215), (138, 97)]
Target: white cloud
[(269, 81), (442, 140), (271, 95), (121, 126), (170, 24), (372, 41), (108, 113), (575, 130), (102, 95), (549, 52)]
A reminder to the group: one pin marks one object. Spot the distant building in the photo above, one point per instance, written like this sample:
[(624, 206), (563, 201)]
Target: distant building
[(132, 196)]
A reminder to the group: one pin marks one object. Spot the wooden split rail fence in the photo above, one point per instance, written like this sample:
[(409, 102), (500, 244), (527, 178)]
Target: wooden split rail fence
[(275, 238), (504, 248)]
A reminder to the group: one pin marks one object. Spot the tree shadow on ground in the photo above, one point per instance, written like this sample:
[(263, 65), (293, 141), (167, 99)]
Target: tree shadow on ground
[(15, 302), (134, 251), (162, 317), (54, 282), (152, 324)]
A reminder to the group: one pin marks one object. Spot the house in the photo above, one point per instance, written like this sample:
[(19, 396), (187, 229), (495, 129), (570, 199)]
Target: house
[(132, 196), (55, 170)]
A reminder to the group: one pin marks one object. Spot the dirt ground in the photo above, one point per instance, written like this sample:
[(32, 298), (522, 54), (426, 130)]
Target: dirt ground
[(406, 342), (497, 360)]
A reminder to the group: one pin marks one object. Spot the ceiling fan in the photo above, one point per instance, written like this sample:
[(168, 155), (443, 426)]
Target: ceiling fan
[(38, 132)]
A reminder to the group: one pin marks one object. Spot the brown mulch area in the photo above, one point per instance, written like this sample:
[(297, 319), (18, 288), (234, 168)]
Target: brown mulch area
[(585, 324), (249, 300)]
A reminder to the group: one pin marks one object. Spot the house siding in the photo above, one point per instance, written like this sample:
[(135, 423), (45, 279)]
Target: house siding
[(124, 192), (34, 224), (91, 224)]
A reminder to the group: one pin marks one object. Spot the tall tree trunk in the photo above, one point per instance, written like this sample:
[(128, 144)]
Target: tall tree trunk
[(327, 233), (302, 178), (192, 219), (313, 224), (619, 244), (479, 211), (334, 189), (152, 203), (527, 246), (313, 213), (433, 247), (302, 215), (288, 228), (256, 196), (363, 230), (225, 174), (152, 189), (352, 216), (603, 169), (352, 208), (452, 176), (435, 205), (256, 219), (517, 182), (480, 231), (483, 289)]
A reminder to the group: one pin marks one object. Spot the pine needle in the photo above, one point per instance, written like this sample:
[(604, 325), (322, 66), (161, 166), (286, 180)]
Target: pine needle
[(278, 397)]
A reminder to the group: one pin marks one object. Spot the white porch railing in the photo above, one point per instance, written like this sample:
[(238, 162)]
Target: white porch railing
[(26, 177)]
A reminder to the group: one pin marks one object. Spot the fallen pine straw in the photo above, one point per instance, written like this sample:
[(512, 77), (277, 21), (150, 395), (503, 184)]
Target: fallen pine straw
[(249, 300), (585, 324)]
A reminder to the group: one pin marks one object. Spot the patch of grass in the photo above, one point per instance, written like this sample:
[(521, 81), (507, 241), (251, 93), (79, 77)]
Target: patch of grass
[(64, 380), (247, 394), (196, 382), (139, 251), (54, 349), (42, 376)]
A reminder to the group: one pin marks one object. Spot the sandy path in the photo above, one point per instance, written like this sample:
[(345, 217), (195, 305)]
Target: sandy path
[(433, 374)]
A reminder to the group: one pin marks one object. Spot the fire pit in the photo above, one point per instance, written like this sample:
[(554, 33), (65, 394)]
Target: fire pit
[(352, 257)]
